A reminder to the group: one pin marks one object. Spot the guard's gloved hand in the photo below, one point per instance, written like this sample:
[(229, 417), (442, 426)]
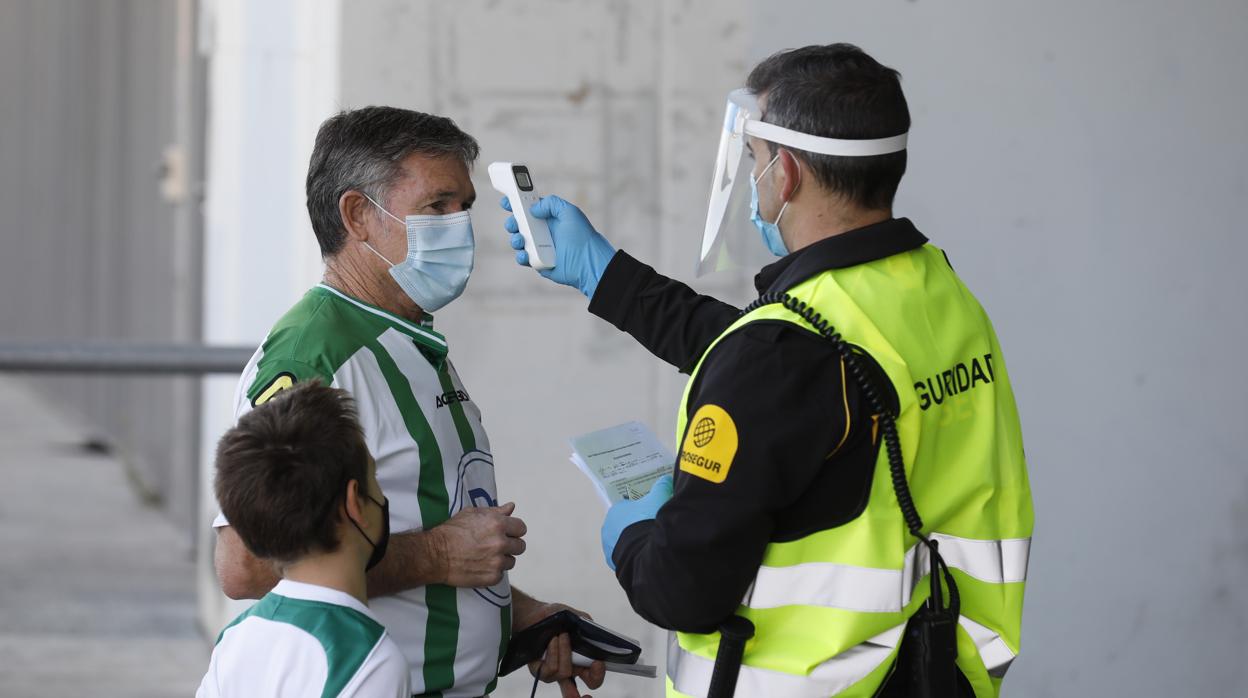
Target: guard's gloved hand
[(627, 512), (581, 253)]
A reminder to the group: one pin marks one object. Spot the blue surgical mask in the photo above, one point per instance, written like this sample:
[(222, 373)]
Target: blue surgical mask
[(439, 258), (769, 230)]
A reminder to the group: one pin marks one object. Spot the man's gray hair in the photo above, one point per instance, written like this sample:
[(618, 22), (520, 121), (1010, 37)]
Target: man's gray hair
[(363, 150)]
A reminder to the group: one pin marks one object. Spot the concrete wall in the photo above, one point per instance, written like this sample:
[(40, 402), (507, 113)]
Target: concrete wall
[(1084, 165), (91, 95)]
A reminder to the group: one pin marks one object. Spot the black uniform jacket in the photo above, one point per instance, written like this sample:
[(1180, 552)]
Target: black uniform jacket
[(806, 449)]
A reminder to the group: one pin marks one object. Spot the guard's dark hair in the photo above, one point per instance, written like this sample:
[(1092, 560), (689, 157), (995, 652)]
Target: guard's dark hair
[(363, 150), (838, 91), (282, 471)]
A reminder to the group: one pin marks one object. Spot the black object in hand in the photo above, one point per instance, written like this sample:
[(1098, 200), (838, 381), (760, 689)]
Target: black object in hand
[(588, 639)]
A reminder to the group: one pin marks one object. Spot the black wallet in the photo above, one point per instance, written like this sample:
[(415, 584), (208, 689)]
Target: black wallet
[(588, 638)]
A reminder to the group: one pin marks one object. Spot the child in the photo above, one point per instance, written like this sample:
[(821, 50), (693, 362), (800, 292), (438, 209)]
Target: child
[(297, 483)]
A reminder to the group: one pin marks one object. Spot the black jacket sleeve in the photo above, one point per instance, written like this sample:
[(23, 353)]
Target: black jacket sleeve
[(783, 390), (671, 320)]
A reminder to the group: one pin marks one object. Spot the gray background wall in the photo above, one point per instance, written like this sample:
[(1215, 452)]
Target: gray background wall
[(89, 100)]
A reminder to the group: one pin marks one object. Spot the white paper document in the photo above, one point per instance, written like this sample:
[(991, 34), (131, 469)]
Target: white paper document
[(648, 671), (622, 461)]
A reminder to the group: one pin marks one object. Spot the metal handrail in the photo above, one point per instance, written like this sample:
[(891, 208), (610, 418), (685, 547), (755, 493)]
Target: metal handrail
[(122, 357)]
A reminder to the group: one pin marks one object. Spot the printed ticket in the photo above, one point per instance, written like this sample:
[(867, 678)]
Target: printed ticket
[(621, 461)]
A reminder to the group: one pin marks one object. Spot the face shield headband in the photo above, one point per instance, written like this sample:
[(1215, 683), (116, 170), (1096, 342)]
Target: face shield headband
[(728, 228)]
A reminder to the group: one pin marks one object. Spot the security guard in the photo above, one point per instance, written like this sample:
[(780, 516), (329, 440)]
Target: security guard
[(840, 437)]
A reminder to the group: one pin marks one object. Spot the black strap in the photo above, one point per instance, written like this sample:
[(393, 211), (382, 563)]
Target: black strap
[(934, 626)]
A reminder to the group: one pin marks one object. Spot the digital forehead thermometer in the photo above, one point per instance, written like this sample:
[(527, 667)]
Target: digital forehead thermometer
[(514, 181)]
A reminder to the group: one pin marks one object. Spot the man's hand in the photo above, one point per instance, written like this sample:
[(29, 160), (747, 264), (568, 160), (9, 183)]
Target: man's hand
[(557, 664), (476, 546), (581, 253)]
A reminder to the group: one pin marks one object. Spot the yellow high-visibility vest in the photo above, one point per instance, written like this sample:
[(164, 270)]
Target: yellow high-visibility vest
[(829, 609)]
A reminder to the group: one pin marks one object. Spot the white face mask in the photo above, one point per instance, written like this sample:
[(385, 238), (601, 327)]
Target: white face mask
[(439, 257)]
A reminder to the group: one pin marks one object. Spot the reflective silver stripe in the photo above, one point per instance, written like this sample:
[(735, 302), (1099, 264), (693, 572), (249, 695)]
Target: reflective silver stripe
[(992, 649), (691, 673), (828, 584), (992, 561), (875, 590)]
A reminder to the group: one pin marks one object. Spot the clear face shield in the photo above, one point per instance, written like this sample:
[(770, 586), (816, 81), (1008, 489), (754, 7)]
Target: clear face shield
[(730, 240)]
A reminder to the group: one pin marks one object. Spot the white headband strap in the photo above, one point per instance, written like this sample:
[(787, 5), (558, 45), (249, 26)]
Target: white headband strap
[(825, 146)]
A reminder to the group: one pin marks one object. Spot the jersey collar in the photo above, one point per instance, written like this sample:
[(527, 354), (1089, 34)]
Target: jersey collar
[(422, 332), (314, 592), (858, 246)]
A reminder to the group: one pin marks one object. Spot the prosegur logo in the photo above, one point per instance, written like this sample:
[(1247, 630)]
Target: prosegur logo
[(706, 468), (710, 445)]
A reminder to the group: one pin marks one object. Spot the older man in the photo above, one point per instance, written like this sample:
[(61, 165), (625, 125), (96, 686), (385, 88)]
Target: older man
[(388, 194)]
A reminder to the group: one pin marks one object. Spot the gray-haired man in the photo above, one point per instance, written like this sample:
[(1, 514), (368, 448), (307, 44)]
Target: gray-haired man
[(388, 194)]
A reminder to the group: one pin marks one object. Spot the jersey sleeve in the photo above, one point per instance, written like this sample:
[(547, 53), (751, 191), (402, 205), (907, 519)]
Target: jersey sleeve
[(384, 674), (208, 687), (273, 376), (765, 414), (260, 383)]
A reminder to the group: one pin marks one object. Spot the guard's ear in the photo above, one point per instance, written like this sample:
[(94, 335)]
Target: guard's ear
[(791, 174), (357, 214)]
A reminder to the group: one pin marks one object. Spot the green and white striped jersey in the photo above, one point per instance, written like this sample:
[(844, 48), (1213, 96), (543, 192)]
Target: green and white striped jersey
[(301, 641), (433, 459)]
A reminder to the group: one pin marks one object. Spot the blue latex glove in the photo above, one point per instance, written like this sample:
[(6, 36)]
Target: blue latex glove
[(581, 253), (627, 512)]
